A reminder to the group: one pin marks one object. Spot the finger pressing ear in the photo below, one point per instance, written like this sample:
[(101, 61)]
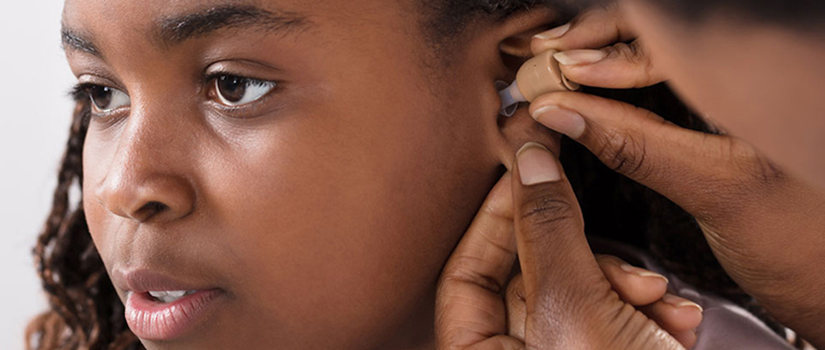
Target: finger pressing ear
[(593, 29), (559, 271), (566, 293)]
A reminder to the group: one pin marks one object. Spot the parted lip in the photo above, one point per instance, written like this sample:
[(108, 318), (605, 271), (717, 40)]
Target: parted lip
[(141, 280)]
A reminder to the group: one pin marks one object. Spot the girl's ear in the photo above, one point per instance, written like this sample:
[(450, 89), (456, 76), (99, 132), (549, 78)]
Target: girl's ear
[(517, 32), (512, 37)]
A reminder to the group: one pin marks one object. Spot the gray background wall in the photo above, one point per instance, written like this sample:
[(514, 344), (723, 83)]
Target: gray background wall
[(34, 121)]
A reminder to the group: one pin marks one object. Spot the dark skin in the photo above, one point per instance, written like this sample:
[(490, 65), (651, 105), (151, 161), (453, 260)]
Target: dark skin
[(324, 206)]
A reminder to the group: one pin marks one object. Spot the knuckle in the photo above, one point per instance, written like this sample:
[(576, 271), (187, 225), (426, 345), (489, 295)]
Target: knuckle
[(624, 153), (635, 55), (546, 210), (756, 167), (641, 59), (460, 272), (748, 170)]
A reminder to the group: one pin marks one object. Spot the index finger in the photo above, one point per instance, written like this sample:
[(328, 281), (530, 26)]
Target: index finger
[(592, 29), (469, 301)]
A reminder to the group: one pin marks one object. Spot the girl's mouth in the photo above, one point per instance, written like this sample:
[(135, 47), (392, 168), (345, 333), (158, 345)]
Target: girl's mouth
[(166, 315), (161, 305)]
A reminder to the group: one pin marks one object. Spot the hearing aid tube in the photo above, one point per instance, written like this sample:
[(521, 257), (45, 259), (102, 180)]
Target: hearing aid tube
[(539, 75)]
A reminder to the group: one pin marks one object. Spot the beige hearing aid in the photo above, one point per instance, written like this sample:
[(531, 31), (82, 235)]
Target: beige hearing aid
[(539, 75)]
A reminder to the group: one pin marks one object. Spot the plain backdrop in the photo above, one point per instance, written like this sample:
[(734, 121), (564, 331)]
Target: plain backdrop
[(35, 111)]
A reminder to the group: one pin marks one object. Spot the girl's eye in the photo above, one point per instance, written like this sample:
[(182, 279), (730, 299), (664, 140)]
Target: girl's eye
[(233, 90), (106, 99)]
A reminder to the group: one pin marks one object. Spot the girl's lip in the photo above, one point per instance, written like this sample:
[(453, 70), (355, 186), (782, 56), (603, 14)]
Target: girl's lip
[(150, 319)]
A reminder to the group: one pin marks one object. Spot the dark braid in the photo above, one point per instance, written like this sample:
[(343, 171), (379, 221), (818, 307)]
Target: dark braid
[(85, 312)]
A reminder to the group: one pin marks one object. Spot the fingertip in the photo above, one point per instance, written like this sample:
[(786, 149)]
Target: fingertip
[(635, 285), (681, 303), (646, 274), (564, 99), (537, 165), (554, 33), (562, 120), (579, 57), (673, 314), (549, 39), (689, 313)]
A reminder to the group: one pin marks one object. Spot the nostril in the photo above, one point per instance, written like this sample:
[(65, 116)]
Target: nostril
[(150, 209)]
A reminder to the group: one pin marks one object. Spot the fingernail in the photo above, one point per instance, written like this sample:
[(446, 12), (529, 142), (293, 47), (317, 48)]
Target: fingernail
[(536, 164), (562, 120), (553, 33), (680, 302), (577, 57), (641, 272)]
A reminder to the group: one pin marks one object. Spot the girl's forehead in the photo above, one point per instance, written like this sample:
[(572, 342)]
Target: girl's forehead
[(168, 22), (159, 11)]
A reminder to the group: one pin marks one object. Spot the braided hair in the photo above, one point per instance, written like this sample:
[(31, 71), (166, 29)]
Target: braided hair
[(85, 312)]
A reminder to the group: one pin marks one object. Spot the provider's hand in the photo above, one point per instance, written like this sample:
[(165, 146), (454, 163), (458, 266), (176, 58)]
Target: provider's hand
[(765, 227), (478, 306)]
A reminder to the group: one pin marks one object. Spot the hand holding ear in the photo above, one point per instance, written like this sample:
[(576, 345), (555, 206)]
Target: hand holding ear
[(479, 306), (765, 227)]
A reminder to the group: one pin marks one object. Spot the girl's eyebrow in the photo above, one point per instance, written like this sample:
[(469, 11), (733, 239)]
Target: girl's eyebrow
[(74, 40), (180, 28), (177, 29)]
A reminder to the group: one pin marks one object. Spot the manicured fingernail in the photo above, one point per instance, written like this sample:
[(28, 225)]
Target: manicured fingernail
[(554, 33), (577, 57), (536, 164), (680, 302), (642, 272), (562, 120)]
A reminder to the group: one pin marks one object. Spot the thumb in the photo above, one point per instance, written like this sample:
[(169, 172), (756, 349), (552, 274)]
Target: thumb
[(559, 271), (569, 302)]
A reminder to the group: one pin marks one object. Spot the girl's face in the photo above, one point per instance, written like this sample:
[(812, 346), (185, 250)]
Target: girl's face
[(302, 165)]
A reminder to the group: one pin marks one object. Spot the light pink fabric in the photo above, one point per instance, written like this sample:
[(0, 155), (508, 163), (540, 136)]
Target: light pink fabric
[(725, 325)]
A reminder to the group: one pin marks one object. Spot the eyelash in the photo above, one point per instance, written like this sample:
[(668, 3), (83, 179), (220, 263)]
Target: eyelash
[(80, 92), (211, 77)]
